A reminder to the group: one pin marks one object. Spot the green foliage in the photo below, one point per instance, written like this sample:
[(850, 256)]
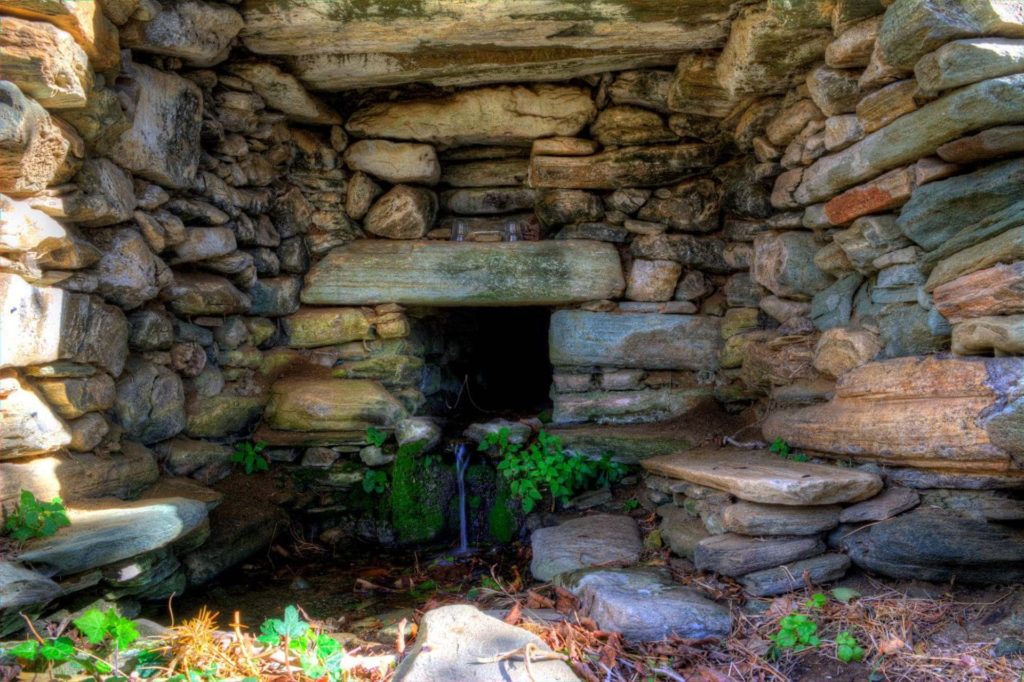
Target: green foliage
[(418, 502), (250, 456), (543, 468), (412, 449), (847, 648), (375, 482), (796, 633), (816, 601), (631, 504), (319, 656), (782, 449), (99, 626), (376, 437), (35, 519), (502, 523)]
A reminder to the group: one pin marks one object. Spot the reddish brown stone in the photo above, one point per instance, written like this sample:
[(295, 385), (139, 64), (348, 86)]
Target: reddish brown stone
[(998, 290), (877, 196)]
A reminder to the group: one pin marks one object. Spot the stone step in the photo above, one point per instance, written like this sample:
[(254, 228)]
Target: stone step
[(598, 540), (645, 604), (107, 531), (760, 476), (626, 443), (782, 579), (736, 555)]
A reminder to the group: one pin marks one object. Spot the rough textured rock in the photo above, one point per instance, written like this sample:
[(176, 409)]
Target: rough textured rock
[(646, 604), (36, 151), (502, 115), (993, 102), (395, 162), (691, 206), (790, 577), (988, 144), (889, 503), (963, 62), (28, 425), (912, 28), (748, 518), (584, 338), (150, 403), (1007, 247), (842, 349), (476, 273), (597, 540), (628, 407), (22, 590), (998, 290), (327, 404), (736, 555), (933, 544), (199, 33), (73, 397), (45, 63), (353, 48), (452, 638), (284, 92), (938, 413), (652, 280), (680, 530), (765, 478), (312, 327), (49, 324), (129, 274), (402, 213), (163, 143), (989, 335), (84, 21), (105, 532), (625, 167), (784, 264), (203, 294), (626, 125)]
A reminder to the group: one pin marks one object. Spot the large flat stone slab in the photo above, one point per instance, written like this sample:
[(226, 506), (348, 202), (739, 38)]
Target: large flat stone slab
[(645, 605), (949, 413), (790, 577), (452, 638), (627, 443), (646, 166), (758, 476), (108, 531), (628, 407), (735, 555), (440, 273), (598, 540), (648, 341), (315, 403)]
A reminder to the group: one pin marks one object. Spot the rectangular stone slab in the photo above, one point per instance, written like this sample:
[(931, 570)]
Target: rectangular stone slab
[(759, 476), (623, 167), (439, 273), (647, 341), (956, 414)]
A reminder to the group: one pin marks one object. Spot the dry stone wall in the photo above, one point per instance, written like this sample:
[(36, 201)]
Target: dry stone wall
[(784, 203)]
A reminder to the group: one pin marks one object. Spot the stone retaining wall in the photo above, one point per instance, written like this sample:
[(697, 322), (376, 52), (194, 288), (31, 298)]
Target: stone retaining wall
[(195, 250)]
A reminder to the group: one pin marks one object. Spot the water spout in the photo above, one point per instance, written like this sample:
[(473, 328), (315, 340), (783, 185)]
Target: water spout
[(461, 463)]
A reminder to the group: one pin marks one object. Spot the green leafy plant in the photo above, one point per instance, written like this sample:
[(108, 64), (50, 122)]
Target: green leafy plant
[(796, 633), (542, 468), (375, 482), (412, 449), (99, 627), (817, 601), (250, 456), (35, 519), (631, 504), (847, 648), (783, 450), (376, 437), (319, 656)]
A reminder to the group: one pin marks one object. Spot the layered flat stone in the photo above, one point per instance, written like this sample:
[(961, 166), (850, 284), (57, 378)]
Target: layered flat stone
[(28, 424), (1007, 247), (85, 21), (284, 92), (758, 476), (441, 273), (994, 102), (624, 167), (645, 604), (998, 290), (355, 45), (748, 518), (502, 115), (628, 443), (584, 338), (628, 407), (999, 335), (963, 62), (597, 540), (948, 413), (108, 531), (988, 144), (45, 63), (328, 404), (891, 502), (991, 225), (790, 577), (22, 590), (736, 555)]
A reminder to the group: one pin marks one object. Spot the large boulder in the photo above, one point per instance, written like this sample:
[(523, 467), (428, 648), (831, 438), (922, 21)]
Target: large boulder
[(162, 144), (453, 639), (150, 403), (499, 115)]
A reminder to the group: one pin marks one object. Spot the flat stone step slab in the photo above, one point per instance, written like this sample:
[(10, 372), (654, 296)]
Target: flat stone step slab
[(441, 273), (626, 443), (628, 407), (639, 340), (453, 638), (111, 530), (891, 502), (598, 540), (735, 555), (648, 166), (773, 581), (759, 476), (645, 605), (749, 518), (958, 414)]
